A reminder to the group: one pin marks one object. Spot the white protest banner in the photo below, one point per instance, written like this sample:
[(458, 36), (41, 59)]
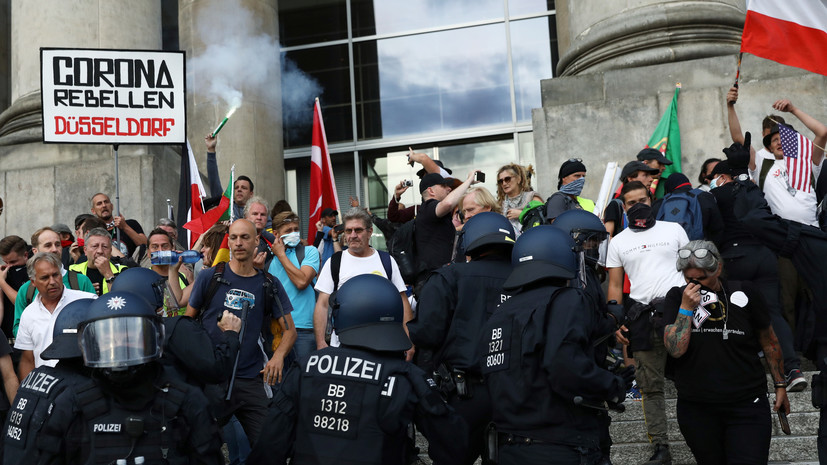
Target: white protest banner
[(93, 96)]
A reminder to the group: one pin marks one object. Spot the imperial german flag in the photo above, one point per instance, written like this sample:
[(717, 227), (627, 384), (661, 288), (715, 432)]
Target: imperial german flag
[(201, 224)]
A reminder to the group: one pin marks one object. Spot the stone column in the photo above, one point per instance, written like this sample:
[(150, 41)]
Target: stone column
[(599, 35), (47, 183), (252, 139)]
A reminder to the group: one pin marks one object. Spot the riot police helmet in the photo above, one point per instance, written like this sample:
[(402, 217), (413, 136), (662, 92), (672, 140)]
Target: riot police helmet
[(582, 225), (368, 313), (487, 229), (120, 330), (539, 253), (65, 335), (144, 283)]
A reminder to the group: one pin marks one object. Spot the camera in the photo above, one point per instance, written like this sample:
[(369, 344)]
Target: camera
[(479, 176), (407, 183)]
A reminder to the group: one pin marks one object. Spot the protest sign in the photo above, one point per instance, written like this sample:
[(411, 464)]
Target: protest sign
[(113, 97)]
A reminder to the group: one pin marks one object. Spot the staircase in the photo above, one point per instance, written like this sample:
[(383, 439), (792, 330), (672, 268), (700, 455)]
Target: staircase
[(631, 446)]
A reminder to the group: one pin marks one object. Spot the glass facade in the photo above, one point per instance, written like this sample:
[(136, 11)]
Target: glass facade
[(456, 80)]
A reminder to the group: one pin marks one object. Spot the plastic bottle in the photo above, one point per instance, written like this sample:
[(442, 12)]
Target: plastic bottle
[(170, 257)]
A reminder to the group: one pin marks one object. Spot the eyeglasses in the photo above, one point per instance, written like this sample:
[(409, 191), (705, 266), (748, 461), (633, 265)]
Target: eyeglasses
[(575, 160), (505, 179), (354, 230), (699, 253)]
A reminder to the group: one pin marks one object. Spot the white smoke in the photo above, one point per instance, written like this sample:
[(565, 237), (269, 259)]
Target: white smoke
[(236, 60)]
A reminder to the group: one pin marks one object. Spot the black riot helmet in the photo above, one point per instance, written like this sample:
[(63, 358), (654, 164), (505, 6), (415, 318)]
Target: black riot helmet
[(368, 313), (65, 335), (542, 252), (142, 282), (121, 330), (487, 229), (582, 225)]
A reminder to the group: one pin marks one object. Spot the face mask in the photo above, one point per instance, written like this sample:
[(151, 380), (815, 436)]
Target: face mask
[(714, 183), (640, 217), (292, 239), (574, 187)]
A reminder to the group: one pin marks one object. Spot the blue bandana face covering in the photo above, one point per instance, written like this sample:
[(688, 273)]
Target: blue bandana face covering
[(574, 187)]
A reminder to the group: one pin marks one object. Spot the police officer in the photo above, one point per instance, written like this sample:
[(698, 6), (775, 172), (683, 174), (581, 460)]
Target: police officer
[(136, 412), (539, 361), (26, 439), (456, 301), (588, 232), (351, 404), (186, 343)]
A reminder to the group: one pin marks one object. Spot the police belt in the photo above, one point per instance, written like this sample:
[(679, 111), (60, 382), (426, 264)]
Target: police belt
[(511, 439)]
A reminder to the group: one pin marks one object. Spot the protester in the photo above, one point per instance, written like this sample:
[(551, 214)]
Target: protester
[(706, 170), (614, 217), (160, 241), (713, 327), (570, 181), (131, 233), (326, 234), (98, 267), (256, 210), (14, 253), (695, 210), (514, 192)]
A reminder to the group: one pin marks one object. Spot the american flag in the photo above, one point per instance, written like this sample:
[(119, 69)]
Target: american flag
[(798, 152)]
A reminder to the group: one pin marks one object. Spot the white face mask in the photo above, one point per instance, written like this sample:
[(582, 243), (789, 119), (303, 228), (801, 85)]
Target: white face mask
[(292, 239), (714, 183)]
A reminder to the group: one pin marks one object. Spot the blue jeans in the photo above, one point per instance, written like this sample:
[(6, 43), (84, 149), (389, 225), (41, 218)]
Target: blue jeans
[(305, 343), (237, 444)]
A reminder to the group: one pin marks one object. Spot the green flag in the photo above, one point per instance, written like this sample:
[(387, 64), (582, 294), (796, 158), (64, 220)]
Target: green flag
[(226, 202), (667, 139)]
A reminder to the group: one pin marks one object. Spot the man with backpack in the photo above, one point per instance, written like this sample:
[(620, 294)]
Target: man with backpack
[(359, 258), (694, 209), (257, 297)]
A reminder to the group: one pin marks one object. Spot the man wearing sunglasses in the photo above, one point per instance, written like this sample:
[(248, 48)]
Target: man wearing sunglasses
[(646, 252)]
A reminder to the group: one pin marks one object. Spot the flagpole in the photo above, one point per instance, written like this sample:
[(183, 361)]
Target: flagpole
[(738, 70)]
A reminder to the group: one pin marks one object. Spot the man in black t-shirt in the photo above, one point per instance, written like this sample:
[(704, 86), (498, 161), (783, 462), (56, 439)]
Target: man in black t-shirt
[(14, 252), (434, 228), (132, 234)]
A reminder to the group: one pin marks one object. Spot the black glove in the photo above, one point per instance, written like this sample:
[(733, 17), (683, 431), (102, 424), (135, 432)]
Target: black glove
[(627, 375), (738, 155), (615, 311)]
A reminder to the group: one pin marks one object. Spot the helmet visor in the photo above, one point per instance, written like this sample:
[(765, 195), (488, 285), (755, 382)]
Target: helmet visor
[(120, 342)]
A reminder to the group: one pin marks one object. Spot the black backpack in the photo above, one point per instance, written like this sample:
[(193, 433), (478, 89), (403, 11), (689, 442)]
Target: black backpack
[(72, 277), (402, 247)]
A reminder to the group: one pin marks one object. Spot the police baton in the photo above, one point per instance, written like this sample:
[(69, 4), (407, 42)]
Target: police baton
[(245, 307), (579, 401)]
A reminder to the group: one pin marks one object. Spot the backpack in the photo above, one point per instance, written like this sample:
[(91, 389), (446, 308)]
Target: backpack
[(71, 275), (533, 214), (402, 247), (683, 208)]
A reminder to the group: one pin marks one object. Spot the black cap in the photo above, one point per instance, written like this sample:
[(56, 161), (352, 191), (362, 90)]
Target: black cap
[(329, 212), (570, 167), (635, 166), (434, 179), (721, 168), (652, 154), (676, 180), (422, 172)]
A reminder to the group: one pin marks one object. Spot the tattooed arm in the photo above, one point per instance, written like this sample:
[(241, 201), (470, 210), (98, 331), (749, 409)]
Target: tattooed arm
[(676, 335), (772, 353)]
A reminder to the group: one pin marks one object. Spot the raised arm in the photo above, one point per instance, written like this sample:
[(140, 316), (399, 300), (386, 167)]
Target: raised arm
[(818, 128), (735, 131)]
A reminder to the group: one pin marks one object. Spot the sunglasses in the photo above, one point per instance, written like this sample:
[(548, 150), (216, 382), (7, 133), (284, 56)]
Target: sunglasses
[(699, 253), (505, 179)]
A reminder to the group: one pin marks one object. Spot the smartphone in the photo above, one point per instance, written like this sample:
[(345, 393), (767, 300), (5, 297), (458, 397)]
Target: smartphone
[(479, 176), (785, 425), (339, 228), (80, 242)]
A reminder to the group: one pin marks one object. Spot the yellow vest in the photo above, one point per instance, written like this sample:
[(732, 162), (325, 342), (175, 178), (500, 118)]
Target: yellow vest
[(82, 268), (586, 204)]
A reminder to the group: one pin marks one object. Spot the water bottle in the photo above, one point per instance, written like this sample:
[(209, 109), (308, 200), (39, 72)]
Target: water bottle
[(170, 257)]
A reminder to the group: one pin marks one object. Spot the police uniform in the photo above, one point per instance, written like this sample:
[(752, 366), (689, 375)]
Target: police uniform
[(189, 349), (25, 440), (351, 406), (538, 359), (456, 302)]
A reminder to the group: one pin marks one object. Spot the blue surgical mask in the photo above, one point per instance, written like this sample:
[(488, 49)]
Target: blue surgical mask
[(292, 239), (714, 183), (574, 187)]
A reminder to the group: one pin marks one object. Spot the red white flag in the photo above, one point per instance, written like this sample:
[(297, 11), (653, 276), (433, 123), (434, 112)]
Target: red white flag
[(790, 32), (190, 194), (322, 185)]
